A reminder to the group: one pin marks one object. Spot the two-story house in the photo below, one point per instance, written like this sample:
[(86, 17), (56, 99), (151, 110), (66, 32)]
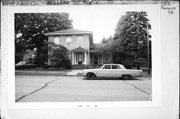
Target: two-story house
[(80, 44)]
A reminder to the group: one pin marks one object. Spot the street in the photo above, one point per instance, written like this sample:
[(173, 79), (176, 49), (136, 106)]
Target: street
[(78, 88)]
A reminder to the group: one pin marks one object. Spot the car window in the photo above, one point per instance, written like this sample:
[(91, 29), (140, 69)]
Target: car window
[(122, 67), (107, 67), (116, 67)]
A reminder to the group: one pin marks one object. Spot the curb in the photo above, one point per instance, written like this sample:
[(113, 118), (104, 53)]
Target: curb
[(47, 73)]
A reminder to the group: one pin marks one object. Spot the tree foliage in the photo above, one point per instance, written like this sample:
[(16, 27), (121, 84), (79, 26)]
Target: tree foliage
[(30, 28), (105, 46), (58, 55), (130, 39)]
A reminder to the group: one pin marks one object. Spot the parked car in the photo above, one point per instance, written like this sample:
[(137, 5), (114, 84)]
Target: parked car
[(24, 65), (21, 63), (111, 70)]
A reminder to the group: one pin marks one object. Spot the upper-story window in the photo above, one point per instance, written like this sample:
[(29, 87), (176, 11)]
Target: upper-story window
[(68, 40), (80, 41), (56, 40)]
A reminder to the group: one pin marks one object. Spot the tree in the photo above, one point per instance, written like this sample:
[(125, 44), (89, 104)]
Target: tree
[(58, 55), (30, 29), (43, 56), (131, 37), (106, 45)]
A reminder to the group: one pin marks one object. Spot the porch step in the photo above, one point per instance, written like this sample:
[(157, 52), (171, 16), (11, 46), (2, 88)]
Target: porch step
[(79, 66)]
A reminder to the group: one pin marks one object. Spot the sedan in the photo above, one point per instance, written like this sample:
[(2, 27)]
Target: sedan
[(111, 70)]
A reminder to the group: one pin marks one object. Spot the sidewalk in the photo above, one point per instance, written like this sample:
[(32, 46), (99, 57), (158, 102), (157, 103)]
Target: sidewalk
[(45, 72), (49, 73), (74, 73)]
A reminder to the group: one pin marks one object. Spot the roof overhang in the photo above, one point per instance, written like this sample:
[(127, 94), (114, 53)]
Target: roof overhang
[(68, 32)]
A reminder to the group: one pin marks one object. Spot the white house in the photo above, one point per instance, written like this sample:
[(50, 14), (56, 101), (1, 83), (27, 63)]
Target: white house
[(80, 44)]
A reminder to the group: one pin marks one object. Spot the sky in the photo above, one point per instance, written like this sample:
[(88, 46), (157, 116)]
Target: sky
[(102, 22)]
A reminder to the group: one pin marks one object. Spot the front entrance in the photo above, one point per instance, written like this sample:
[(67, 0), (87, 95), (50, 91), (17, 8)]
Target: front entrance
[(79, 57)]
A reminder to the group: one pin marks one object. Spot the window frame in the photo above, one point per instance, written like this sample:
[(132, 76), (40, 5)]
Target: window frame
[(70, 40), (116, 66), (57, 40), (80, 41)]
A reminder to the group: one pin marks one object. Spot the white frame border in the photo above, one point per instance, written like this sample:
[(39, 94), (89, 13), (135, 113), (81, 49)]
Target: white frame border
[(8, 71)]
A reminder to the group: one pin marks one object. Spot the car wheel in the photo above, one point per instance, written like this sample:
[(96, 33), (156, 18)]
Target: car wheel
[(91, 76), (126, 77)]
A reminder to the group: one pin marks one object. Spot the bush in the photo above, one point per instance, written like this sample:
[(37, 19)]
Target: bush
[(127, 62), (68, 64), (58, 55), (42, 56), (139, 62), (18, 57)]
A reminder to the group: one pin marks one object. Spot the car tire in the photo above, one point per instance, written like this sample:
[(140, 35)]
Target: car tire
[(91, 76), (126, 77)]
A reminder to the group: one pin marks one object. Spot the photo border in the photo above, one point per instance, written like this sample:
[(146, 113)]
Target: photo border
[(8, 72)]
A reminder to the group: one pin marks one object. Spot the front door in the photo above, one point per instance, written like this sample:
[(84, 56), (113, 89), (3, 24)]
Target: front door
[(80, 58), (117, 71)]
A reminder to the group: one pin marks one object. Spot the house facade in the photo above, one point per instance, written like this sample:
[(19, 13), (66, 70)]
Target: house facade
[(80, 44)]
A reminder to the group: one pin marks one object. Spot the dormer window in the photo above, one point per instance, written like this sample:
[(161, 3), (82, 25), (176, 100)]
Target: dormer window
[(56, 40), (68, 40)]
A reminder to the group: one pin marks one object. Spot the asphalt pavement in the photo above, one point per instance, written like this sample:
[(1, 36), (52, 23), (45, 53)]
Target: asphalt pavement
[(78, 88)]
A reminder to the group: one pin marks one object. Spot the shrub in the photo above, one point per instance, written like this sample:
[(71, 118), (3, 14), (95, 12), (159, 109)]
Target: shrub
[(58, 56)]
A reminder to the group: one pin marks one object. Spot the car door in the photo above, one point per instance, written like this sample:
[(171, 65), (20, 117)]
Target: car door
[(117, 71), (105, 71)]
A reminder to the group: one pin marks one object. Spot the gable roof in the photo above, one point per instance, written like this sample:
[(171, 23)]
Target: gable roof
[(79, 49), (68, 32)]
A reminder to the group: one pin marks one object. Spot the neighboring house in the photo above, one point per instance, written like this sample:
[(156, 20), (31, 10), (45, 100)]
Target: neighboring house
[(98, 57), (80, 44)]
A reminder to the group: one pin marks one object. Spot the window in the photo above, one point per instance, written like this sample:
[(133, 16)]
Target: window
[(56, 40), (107, 67), (80, 41), (115, 67), (68, 41)]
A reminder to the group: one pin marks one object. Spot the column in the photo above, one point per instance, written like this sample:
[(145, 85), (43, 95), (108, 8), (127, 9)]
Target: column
[(72, 58), (85, 58), (88, 58)]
